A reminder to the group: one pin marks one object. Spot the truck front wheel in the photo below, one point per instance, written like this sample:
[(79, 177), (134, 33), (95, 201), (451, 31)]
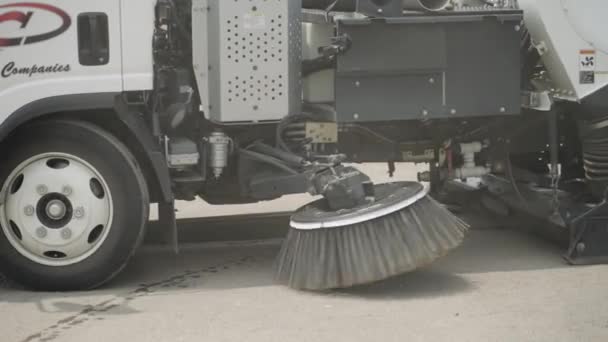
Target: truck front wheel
[(73, 206)]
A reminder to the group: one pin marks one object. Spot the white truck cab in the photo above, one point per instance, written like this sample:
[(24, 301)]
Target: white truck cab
[(53, 50)]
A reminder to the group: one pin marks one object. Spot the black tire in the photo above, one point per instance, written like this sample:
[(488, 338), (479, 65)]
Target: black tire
[(130, 201)]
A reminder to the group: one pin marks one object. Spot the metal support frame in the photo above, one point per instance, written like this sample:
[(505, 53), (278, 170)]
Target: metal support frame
[(270, 173), (584, 226), (588, 236)]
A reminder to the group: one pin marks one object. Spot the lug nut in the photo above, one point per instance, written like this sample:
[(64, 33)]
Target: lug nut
[(29, 210), (41, 232), (42, 190), (66, 190), (66, 233), (79, 212)]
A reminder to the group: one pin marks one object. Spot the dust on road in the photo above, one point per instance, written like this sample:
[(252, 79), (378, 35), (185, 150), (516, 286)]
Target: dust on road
[(501, 285)]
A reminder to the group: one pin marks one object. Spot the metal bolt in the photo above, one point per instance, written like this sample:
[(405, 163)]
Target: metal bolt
[(356, 116), (66, 233), (41, 232), (67, 190), (29, 210), (42, 189), (580, 247), (79, 213)]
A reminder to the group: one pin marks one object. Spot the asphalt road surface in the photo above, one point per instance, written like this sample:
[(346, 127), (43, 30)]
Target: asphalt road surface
[(501, 285)]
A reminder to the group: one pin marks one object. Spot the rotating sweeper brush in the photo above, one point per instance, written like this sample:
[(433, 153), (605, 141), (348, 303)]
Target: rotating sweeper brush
[(399, 230)]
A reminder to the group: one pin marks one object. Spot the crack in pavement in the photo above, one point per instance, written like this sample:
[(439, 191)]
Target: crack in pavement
[(92, 312)]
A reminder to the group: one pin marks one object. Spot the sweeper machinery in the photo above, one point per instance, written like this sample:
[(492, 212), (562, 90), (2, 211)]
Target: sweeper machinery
[(108, 106)]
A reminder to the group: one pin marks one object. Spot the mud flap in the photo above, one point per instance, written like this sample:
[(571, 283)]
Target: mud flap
[(166, 213)]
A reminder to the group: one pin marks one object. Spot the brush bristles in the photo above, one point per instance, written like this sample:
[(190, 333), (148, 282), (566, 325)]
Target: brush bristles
[(370, 251)]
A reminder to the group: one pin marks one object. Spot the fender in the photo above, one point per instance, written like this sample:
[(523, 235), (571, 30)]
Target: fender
[(136, 124), (55, 104)]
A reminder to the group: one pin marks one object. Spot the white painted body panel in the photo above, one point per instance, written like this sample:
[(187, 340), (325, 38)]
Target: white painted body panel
[(569, 31), (131, 25), (137, 33)]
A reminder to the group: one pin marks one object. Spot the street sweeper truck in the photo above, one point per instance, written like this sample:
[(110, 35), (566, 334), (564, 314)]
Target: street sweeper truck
[(109, 106)]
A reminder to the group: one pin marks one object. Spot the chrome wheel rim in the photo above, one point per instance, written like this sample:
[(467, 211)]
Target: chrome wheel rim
[(56, 209)]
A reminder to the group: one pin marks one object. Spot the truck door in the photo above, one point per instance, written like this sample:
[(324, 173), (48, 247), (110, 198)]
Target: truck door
[(52, 49)]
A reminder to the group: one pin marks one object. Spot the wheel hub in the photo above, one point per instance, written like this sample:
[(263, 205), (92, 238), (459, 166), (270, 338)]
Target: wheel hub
[(56, 209), (390, 198), (45, 201)]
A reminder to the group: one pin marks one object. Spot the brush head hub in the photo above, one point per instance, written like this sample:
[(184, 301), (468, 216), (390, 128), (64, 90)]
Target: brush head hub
[(389, 198)]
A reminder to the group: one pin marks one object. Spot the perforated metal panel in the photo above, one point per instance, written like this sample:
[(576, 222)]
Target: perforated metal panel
[(254, 59)]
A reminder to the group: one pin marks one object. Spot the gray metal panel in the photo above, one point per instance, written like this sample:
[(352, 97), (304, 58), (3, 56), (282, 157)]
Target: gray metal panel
[(429, 67), (389, 97), (254, 58), (378, 48), (484, 74)]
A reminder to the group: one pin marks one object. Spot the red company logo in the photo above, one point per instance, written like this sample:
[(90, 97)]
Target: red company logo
[(22, 13)]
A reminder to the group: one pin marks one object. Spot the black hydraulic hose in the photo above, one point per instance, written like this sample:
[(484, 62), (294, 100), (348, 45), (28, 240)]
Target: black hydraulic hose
[(288, 120), (179, 22), (311, 66), (289, 158), (268, 160)]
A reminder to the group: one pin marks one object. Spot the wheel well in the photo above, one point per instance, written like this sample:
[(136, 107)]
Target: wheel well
[(108, 120)]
